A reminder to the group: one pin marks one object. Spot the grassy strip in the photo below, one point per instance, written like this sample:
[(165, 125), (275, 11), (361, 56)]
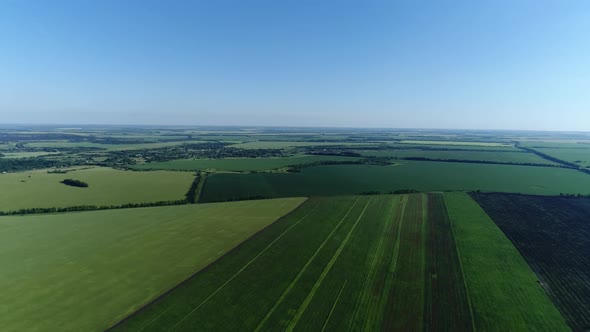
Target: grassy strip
[(504, 292)]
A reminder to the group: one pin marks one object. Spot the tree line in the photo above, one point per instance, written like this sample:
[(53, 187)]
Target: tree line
[(483, 162), (90, 208)]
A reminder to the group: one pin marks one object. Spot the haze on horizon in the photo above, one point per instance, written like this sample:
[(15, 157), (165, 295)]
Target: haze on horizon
[(415, 64)]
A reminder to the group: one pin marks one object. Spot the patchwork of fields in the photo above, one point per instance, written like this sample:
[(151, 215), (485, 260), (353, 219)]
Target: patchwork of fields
[(341, 253), (85, 271), (107, 186), (362, 263), (553, 235), (423, 176)]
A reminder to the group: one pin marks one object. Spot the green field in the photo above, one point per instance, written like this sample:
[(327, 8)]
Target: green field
[(107, 186), (503, 289), (358, 263), (579, 156), (424, 176), (85, 271), (493, 156), (239, 164)]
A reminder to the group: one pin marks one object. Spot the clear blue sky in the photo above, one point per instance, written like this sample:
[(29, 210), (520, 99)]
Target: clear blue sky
[(498, 64)]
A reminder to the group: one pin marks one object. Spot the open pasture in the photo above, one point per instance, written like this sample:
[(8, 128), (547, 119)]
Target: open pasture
[(85, 271), (107, 186), (352, 263), (423, 176), (553, 235)]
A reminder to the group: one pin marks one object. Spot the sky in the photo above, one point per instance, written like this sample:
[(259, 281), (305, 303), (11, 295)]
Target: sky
[(498, 64)]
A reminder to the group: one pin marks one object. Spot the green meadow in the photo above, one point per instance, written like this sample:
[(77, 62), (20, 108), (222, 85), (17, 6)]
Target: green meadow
[(418, 175), (84, 271), (107, 186)]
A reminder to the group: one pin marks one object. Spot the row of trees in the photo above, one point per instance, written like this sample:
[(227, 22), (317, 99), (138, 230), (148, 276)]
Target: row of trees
[(391, 192), (90, 207), (564, 163), (482, 162), (366, 161), (25, 164), (191, 195)]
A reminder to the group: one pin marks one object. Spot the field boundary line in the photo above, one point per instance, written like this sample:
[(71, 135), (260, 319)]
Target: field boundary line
[(461, 263), (325, 272), (333, 306), (239, 271), (294, 281)]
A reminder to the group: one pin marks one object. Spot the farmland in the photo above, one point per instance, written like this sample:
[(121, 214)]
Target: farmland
[(502, 288), (239, 164), (356, 257), (40, 189), (579, 156), (383, 236), (553, 235), (60, 271), (419, 175)]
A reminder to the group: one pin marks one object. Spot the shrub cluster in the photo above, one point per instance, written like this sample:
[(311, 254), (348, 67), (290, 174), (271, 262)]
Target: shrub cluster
[(90, 208), (75, 183)]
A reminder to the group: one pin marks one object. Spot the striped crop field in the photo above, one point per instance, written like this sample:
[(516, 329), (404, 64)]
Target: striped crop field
[(385, 262)]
